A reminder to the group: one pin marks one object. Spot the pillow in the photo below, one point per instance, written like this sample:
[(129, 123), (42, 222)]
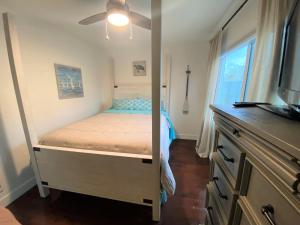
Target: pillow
[(144, 104), (141, 104), (124, 104)]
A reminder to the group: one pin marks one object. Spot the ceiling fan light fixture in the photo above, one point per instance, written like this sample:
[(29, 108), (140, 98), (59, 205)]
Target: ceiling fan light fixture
[(118, 18), (118, 14)]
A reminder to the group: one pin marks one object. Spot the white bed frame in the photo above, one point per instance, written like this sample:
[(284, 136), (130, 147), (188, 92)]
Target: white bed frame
[(132, 90), (119, 176), (142, 90), (123, 90)]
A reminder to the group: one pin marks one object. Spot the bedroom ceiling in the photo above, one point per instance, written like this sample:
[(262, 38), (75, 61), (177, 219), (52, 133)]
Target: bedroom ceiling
[(183, 20)]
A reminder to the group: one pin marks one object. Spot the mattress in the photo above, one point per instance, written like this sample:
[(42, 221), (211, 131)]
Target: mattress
[(118, 131), (126, 133)]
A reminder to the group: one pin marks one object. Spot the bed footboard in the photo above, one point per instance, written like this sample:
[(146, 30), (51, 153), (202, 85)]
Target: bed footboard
[(118, 176)]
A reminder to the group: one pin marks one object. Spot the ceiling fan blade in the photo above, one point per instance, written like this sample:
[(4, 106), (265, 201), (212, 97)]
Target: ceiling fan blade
[(93, 19), (140, 20)]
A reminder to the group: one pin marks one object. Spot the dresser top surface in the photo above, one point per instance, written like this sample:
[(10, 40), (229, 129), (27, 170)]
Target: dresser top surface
[(279, 131)]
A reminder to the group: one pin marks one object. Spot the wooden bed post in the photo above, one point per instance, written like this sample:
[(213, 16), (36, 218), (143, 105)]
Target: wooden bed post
[(156, 87), (19, 82)]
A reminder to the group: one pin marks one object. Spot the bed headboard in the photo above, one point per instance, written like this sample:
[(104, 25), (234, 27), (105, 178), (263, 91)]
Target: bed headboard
[(132, 91), (140, 90), (144, 90)]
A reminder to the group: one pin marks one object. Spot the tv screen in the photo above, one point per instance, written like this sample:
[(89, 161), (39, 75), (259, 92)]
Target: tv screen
[(289, 83)]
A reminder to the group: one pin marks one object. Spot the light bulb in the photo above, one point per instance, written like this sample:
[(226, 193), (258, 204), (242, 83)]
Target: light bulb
[(118, 19)]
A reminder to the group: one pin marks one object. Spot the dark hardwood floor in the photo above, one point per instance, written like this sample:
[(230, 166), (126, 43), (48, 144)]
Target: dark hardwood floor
[(64, 208)]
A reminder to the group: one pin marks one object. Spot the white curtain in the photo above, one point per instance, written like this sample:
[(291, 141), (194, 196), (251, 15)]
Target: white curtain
[(263, 83), (204, 144)]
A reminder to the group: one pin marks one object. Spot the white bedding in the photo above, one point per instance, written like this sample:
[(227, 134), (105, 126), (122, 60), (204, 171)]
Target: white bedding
[(127, 133)]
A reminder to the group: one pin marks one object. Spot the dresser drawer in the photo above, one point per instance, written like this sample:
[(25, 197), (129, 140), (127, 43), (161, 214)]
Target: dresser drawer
[(207, 221), (228, 127), (276, 160), (213, 215), (212, 218), (224, 193), (266, 200), (231, 156), (243, 216), (244, 220)]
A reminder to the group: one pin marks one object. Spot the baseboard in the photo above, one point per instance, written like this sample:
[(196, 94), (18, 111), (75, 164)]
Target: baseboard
[(187, 136), (17, 192)]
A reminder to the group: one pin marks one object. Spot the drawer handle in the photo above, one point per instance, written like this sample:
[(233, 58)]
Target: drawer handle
[(221, 195), (225, 157), (209, 210), (268, 212), (236, 132)]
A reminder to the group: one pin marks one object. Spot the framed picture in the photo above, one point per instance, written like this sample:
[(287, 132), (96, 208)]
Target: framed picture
[(139, 68), (69, 81)]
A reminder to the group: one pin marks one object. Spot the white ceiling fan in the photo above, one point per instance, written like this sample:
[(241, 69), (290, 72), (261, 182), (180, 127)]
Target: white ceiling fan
[(118, 14)]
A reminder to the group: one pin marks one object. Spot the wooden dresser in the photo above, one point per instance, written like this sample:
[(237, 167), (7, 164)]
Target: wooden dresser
[(255, 169)]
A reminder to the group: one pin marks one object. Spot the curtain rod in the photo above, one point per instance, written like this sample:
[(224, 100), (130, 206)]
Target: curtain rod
[(234, 14)]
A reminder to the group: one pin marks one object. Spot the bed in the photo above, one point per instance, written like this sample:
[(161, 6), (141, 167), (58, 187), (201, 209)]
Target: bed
[(119, 131), (109, 155), (136, 176)]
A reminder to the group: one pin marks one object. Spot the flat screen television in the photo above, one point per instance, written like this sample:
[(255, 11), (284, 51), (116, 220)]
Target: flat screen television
[(289, 79)]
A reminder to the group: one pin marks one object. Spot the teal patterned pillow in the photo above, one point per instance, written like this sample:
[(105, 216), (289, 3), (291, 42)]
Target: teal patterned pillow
[(124, 104), (142, 104)]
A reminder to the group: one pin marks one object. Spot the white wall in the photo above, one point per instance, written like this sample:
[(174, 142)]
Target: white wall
[(188, 126), (39, 70), (123, 57), (195, 54), (42, 45)]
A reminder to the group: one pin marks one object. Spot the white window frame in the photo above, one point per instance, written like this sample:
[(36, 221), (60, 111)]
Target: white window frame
[(250, 42)]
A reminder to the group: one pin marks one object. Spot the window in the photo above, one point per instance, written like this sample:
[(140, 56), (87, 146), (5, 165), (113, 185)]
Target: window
[(235, 73)]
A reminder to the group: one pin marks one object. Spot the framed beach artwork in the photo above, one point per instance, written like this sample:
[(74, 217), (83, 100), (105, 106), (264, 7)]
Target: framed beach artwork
[(69, 81), (139, 68)]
